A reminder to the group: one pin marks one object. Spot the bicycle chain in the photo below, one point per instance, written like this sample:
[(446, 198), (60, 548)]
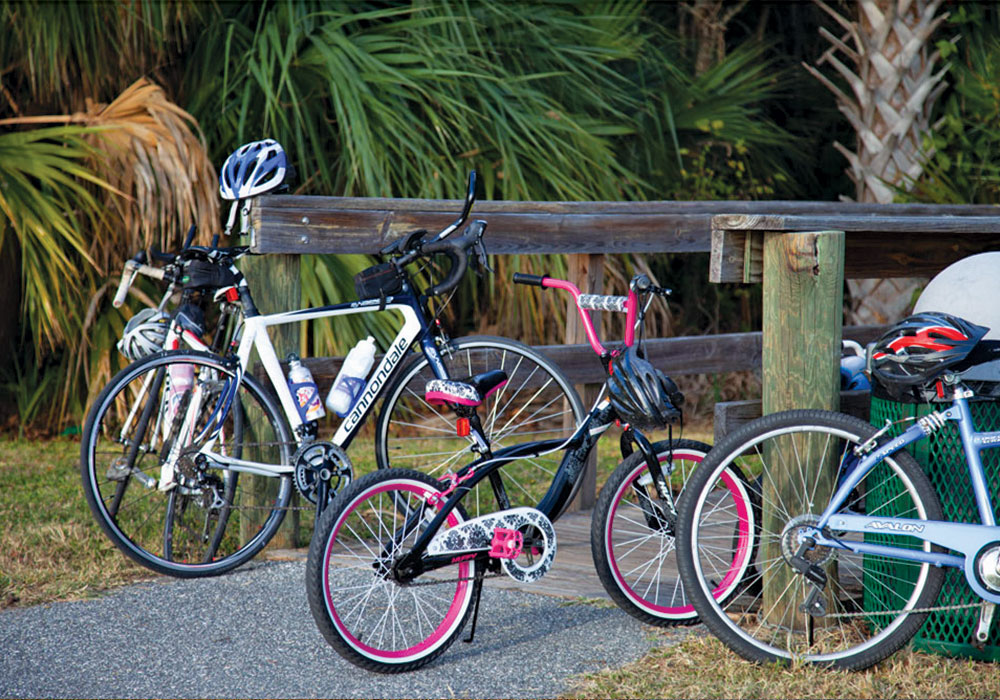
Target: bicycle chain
[(309, 507), (915, 610), (453, 580)]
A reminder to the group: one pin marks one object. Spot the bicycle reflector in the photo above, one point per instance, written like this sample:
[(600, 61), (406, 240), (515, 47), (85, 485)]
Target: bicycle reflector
[(462, 428)]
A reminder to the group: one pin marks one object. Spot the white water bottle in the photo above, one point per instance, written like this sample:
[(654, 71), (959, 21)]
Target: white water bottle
[(304, 390), (350, 382)]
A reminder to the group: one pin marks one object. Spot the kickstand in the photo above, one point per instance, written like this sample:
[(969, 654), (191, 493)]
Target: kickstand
[(477, 592)]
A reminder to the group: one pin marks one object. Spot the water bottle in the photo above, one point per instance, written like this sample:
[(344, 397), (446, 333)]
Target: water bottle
[(181, 380), (304, 390), (350, 382)]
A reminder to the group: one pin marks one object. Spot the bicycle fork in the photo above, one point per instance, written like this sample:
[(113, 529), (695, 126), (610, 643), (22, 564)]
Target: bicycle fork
[(658, 515)]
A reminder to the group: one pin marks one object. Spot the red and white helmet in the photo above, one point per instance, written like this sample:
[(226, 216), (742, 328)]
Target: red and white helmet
[(922, 347)]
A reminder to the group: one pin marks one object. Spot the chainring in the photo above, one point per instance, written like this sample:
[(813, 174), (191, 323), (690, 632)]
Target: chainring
[(321, 461), (818, 555)]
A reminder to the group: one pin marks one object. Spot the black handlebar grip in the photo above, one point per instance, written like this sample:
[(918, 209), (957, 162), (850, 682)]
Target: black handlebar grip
[(522, 278)]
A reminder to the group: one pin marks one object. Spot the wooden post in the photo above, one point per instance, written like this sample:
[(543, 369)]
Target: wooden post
[(276, 285), (802, 325), (586, 271)]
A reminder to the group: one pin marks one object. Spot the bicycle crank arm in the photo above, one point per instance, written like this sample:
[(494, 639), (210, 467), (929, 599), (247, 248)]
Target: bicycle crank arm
[(983, 628), (522, 538), (213, 460)]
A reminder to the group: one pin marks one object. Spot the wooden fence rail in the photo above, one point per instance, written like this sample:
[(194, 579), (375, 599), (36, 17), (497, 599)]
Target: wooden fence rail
[(306, 224), (881, 241)]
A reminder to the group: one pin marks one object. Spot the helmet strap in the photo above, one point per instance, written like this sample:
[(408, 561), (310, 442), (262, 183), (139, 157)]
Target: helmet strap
[(232, 217)]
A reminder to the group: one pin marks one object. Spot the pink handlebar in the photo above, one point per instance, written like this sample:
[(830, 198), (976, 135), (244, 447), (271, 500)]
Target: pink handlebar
[(594, 301)]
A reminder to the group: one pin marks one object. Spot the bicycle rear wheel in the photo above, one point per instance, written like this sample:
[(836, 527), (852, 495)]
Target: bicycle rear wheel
[(368, 616), (211, 520), (870, 601), (632, 535), (537, 403)]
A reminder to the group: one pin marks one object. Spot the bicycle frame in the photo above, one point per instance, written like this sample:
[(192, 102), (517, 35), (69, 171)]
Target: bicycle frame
[(254, 336), (559, 494), (969, 539), (577, 447)]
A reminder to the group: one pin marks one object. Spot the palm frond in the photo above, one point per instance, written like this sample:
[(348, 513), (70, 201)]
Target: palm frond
[(46, 212)]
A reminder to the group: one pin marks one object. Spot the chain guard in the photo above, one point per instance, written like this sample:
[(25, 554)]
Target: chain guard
[(321, 461), (476, 535)]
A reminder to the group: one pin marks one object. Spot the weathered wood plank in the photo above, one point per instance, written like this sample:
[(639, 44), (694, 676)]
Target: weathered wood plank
[(587, 273), (732, 415), (699, 354), (450, 207), (888, 222), (355, 231), (279, 275), (882, 246), (802, 324), (308, 224)]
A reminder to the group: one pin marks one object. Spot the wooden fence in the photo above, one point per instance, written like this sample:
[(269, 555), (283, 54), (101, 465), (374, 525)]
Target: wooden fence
[(878, 241)]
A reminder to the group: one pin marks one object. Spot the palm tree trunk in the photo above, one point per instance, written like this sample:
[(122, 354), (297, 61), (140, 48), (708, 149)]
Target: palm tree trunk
[(892, 89), (709, 19)]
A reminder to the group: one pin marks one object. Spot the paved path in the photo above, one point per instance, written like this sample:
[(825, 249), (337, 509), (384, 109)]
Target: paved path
[(250, 634)]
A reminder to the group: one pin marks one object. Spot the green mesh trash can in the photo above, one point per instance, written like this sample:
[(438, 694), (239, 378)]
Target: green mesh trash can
[(950, 632)]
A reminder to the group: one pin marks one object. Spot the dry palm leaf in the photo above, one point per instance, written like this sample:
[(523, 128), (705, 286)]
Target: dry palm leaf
[(155, 155)]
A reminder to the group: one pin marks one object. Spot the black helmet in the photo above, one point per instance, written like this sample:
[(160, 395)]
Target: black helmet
[(921, 348), (642, 395)]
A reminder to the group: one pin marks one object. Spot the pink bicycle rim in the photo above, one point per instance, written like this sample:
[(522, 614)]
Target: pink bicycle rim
[(742, 547), (454, 611)]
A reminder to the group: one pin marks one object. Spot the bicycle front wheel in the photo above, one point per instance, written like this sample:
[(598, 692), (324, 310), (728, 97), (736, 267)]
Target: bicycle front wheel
[(870, 603), (632, 536), (365, 611), (148, 483), (536, 403)]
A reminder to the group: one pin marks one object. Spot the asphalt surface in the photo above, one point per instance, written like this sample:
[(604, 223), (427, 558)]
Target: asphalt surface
[(250, 634)]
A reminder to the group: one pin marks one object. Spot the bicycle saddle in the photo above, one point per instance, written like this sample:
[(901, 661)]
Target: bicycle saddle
[(469, 392)]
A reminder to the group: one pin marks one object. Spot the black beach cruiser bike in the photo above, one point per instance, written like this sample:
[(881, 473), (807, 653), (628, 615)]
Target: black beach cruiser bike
[(396, 565)]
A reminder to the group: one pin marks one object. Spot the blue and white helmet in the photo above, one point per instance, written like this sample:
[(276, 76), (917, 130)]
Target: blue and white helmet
[(252, 169)]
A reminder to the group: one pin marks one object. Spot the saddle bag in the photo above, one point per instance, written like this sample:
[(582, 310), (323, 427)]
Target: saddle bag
[(378, 281)]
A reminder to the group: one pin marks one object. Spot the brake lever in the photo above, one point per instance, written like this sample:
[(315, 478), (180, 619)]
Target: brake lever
[(482, 256), (404, 243), (481, 260)]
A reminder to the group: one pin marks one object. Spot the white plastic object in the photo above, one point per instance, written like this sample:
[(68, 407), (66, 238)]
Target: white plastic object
[(128, 275), (132, 268), (304, 390), (968, 288), (181, 380), (350, 382)]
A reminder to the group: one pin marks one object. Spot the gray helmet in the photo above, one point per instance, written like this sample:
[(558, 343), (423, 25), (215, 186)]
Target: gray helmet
[(921, 348), (145, 334)]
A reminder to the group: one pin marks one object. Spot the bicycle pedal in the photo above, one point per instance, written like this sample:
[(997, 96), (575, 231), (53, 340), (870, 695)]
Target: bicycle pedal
[(814, 603), (507, 544)]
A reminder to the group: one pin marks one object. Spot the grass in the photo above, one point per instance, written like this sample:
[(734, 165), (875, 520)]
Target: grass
[(701, 666), (50, 546)]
